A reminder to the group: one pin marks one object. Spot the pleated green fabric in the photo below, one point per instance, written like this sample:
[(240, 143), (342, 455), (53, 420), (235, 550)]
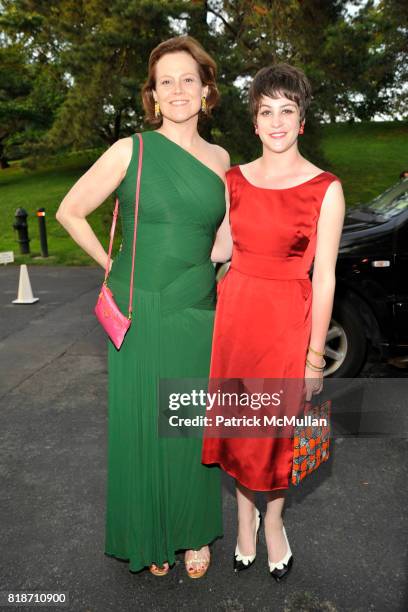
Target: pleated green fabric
[(160, 497)]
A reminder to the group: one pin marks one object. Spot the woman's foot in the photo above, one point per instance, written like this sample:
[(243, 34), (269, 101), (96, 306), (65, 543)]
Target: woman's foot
[(280, 558), (159, 570), (197, 562), (245, 553), (246, 529), (275, 539)]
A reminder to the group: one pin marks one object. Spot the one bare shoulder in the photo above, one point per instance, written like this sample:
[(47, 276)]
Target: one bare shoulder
[(222, 155), (121, 151), (309, 168)]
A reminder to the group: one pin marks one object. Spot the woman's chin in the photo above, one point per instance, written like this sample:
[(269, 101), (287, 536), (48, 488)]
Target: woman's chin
[(278, 146), (180, 115)]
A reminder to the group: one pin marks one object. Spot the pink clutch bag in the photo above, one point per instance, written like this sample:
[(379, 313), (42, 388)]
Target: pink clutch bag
[(107, 311)]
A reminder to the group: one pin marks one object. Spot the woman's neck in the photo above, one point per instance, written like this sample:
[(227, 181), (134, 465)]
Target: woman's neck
[(278, 164), (184, 134)]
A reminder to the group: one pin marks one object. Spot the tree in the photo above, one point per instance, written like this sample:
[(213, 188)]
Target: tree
[(82, 63), (101, 48), (30, 92), (16, 84)]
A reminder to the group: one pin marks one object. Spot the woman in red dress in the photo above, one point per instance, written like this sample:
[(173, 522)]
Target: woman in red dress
[(283, 213)]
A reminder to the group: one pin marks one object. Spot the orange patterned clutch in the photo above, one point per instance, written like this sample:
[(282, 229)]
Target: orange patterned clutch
[(311, 441)]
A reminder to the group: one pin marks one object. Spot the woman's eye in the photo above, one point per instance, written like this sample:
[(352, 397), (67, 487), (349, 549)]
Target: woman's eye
[(189, 79), (265, 113), (165, 82), (288, 111)]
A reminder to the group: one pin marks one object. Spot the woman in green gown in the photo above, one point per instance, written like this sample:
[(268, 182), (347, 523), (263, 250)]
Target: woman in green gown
[(160, 497)]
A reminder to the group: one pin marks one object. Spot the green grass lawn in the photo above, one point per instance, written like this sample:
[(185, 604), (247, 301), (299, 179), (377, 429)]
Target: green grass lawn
[(46, 188), (367, 157)]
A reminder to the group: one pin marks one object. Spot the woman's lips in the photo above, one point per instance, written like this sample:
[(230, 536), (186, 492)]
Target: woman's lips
[(179, 102), (278, 135)]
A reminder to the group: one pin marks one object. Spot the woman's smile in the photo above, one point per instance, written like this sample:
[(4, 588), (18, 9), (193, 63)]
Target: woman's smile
[(277, 134)]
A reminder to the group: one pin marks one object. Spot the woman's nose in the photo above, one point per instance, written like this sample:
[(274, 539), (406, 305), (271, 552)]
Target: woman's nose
[(178, 86), (276, 120)]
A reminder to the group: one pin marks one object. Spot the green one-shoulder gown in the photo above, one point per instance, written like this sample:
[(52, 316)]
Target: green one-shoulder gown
[(160, 497)]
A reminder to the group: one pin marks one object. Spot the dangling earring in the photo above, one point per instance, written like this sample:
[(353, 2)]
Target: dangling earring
[(302, 128), (157, 111), (204, 104)]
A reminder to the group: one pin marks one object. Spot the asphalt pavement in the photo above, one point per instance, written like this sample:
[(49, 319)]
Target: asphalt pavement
[(347, 524)]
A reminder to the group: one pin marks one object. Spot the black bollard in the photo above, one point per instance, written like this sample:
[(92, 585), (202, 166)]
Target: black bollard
[(43, 231), (22, 228)]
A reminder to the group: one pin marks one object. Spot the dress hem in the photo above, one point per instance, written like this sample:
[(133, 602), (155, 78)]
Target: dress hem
[(250, 487), (138, 567)]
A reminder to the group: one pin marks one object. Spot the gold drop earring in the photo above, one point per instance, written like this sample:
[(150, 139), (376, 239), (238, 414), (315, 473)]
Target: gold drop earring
[(157, 111), (204, 104)]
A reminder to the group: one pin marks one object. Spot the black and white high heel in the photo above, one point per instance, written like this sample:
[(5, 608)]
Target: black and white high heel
[(243, 562), (281, 568)]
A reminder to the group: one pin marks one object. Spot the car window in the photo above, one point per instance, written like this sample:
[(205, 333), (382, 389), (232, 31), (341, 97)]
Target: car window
[(399, 204), (386, 205)]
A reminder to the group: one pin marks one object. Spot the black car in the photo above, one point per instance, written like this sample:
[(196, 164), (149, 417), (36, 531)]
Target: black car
[(371, 299)]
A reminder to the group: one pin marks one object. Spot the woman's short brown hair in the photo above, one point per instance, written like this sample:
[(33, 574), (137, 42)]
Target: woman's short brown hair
[(207, 69), (280, 80)]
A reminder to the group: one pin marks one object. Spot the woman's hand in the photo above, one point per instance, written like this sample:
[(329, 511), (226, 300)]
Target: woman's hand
[(315, 364), (313, 382)]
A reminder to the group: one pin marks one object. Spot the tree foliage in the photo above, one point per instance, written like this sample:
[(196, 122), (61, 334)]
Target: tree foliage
[(71, 71)]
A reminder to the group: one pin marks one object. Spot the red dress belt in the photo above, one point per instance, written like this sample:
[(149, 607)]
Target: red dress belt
[(282, 268)]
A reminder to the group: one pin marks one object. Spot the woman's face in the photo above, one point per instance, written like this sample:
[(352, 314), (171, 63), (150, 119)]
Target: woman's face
[(278, 122), (178, 86)]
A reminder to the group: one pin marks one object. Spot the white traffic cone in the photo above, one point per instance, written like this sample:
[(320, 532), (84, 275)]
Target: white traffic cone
[(25, 293)]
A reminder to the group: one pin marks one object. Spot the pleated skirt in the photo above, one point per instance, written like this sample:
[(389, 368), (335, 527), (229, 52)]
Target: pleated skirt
[(160, 497)]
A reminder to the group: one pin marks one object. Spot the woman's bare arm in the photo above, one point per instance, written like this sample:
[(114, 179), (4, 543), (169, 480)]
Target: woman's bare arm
[(222, 249), (89, 192), (329, 230)]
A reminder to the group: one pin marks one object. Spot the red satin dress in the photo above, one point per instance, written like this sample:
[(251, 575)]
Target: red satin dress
[(263, 316)]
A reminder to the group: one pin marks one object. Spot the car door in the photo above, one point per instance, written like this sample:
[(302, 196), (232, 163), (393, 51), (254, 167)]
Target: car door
[(401, 278)]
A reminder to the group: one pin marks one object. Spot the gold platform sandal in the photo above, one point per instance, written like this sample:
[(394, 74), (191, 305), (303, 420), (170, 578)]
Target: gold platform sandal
[(158, 570), (197, 562)]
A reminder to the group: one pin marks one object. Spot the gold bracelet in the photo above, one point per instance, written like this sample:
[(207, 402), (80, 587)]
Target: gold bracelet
[(323, 365), (314, 367), (315, 352)]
